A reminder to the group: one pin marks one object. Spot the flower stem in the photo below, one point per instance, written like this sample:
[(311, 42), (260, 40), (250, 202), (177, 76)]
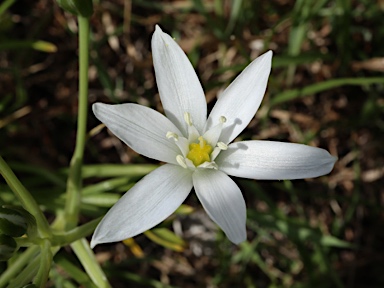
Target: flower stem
[(74, 183), (27, 201)]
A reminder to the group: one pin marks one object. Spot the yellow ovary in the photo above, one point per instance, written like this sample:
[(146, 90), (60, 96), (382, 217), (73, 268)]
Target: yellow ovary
[(199, 152)]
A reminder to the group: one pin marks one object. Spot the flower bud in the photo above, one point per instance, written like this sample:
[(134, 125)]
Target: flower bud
[(77, 7), (12, 222), (8, 246)]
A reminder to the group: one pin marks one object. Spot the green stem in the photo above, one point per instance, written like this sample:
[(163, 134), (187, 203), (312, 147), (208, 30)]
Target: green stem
[(46, 258), (75, 234), (74, 271), (89, 262), (25, 276), (27, 201), (18, 265), (74, 183)]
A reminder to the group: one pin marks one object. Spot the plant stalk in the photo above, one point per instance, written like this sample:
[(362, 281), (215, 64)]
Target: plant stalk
[(74, 182)]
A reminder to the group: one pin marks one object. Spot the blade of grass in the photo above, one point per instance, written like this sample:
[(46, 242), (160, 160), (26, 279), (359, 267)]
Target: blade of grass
[(300, 18), (38, 45), (101, 200), (39, 172), (115, 170), (74, 272), (89, 262), (18, 264), (323, 86), (234, 16), (106, 185), (295, 230), (166, 238), (5, 5), (26, 199)]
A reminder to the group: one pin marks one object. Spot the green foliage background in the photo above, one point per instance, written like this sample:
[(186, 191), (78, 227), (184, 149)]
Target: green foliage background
[(326, 90)]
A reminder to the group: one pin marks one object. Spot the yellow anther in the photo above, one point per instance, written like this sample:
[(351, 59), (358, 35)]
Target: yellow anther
[(199, 152), (222, 119)]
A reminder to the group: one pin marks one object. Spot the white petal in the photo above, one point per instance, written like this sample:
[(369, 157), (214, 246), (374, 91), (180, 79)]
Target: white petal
[(141, 128), (213, 134), (269, 160), (148, 203), (223, 201), (179, 88), (240, 101)]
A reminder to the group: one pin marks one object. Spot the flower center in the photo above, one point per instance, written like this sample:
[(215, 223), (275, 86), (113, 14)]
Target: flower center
[(199, 152)]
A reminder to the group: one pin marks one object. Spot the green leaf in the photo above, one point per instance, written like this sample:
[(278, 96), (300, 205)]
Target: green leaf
[(166, 238), (297, 231), (77, 7), (12, 223), (114, 170), (8, 247), (5, 5), (184, 210), (73, 271), (28, 218), (323, 86), (38, 45), (101, 200)]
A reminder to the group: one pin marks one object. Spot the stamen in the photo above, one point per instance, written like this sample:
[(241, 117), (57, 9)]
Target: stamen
[(187, 118), (173, 135), (193, 134), (180, 159), (197, 150), (215, 153), (213, 134), (222, 145), (189, 163), (209, 165)]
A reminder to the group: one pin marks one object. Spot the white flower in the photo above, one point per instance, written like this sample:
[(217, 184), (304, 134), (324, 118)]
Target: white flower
[(197, 149)]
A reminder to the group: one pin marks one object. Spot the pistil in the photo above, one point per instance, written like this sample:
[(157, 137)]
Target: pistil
[(199, 152), (196, 150)]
